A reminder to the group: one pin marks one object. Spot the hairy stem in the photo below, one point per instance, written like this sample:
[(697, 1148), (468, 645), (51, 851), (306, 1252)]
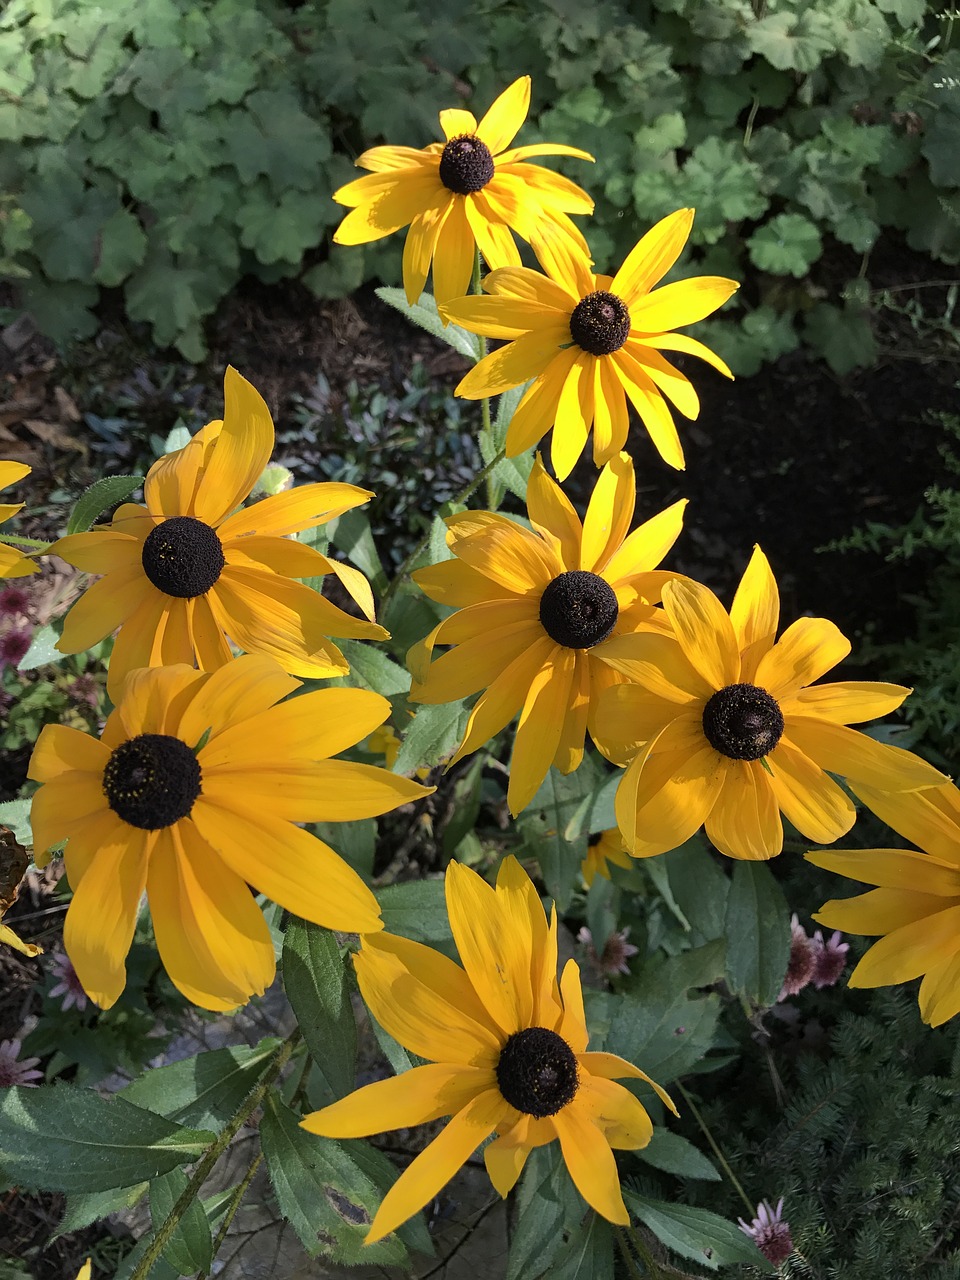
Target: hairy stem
[(239, 1192), (486, 429), (734, 1180)]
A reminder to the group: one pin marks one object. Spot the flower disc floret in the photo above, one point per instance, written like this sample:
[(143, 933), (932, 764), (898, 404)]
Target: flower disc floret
[(466, 164), (152, 781), (600, 323), (579, 609), (742, 722), (183, 557), (537, 1072)]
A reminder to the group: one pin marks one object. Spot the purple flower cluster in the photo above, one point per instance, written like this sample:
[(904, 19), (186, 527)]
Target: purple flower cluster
[(812, 960)]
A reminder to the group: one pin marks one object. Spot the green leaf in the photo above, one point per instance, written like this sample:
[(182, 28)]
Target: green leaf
[(65, 1138), (554, 825), (43, 649), (425, 314), (315, 980), (351, 534), (788, 244), (844, 336), (86, 1207), (792, 41), (329, 1191), (603, 814), (15, 814), (122, 247), (205, 1090), (190, 1248), (698, 1234), (674, 1154), (547, 1201), (374, 669), (417, 910), (355, 842), (101, 495), (588, 1254), (699, 887), (432, 735), (758, 933)]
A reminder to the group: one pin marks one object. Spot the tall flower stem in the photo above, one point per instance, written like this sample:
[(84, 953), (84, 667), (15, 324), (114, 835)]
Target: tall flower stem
[(486, 431), (734, 1180), (212, 1155), (239, 1191)]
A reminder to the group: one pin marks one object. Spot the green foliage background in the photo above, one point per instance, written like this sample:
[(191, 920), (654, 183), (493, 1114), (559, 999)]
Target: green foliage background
[(167, 149)]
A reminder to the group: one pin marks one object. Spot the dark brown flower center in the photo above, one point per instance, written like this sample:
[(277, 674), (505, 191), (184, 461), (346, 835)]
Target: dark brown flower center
[(466, 164), (152, 781), (578, 609), (183, 557), (537, 1072), (743, 722), (600, 323)]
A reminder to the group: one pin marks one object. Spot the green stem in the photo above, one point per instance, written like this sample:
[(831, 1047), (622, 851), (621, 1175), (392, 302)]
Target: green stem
[(716, 1150), (486, 430), (211, 1156), (467, 491), (628, 1256), (25, 542), (238, 1193)]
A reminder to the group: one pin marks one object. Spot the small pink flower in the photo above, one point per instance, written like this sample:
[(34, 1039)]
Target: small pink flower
[(69, 986), (13, 645), (616, 952), (800, 966), (829, 958), (86, 689), (769, 1232), (14, 602), (13, 1069)]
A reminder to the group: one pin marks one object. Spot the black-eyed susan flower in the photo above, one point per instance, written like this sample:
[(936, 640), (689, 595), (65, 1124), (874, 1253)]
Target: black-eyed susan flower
[(13, 563), (591, 343), (474, 189), (725, 728), (604, 850), (192, 794), (916, 904), (192, 569), (507, 1053), (533, 610)]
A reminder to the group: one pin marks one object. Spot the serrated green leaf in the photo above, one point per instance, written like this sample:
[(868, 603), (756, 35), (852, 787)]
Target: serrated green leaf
[(325, 1192), (432, 735), (674, 1154), (65, 1138), (373, 669), (757, 928), (792, 41), (788, 244), (86, 1207), (547, 1202), (101, 495), (190, 1248), (698, 1234), (425, 314), (843, 336), (204, 1090), (588, 1253), (417, 910), (315, 980)]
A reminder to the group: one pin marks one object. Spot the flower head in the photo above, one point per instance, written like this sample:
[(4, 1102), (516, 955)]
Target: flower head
[(801, 965), (725, 728), (14, 643), (14, 603), (604, 850), (770, 1233), (13, 563), (534, 609), (189, 571), (591, 343), (15, 1070), (829, 959), (192, 794), (507, 1051), (69, 987), (472, 189), (616, 952), (915, 907)]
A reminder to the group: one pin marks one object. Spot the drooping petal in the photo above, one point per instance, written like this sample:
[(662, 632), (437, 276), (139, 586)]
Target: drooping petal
[(505, 696), (621, 1117), (540, 728), (574, 416), (811, 800), (139, 640), (437, 1163), (504, 1159), (537, 411), (611, 1067), (940, 991), (855, 755), (745, 821), (417, 1097), (651, 407), (493, 236), (421, 244), (703, 630), (573, 1024), (590, 1161), (573, 732), (389, 207), (453, 254)]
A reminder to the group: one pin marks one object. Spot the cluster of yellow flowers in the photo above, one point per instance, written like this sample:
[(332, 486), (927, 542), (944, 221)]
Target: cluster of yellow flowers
[(194, 790)]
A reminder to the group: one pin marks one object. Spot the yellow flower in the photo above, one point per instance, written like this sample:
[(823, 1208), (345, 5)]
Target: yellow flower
[(533, 611), (725, 732), (474, 189), (192, 794), (604, 849), (916, 906), (592, 342), (507, 1053), (192, 567), (384, 742), (13, 563)]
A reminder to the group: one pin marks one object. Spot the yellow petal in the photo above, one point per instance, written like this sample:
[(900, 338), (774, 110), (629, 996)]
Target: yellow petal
[(659, 664), (590, 1161), (11, 472), (241, 452), (246, 686), (620, 1116), (504, 316), (666, 794), (505, 696), (540, 728), (443, 975), (504, 1161), (910, 951), (553, 516), (321, 791), (847, 702), (652, 257), (14, 564), (689, 347), (703, 630), (211, 935), (928, 819), (100, 551), (644, 549), (526, 357), (894, 869), (57, 807), (626, 718), (389, 208), (806, 651), (501, 124), (670, 381), (60, 749), (537, 410), (153, 700), (940, 992), (105, 605), (475, 663), (512, 556), (574, 416), (139, 640), (744, 821), (611, 1067), (811, 800), (437, 1163), (453, 254), (543, 149), (11, 939), (879, 911), (574, 727), (416, 1097), (848, 753), (755, 613), (679, 304), (294, 510), (531, 286), (458, 585), (421, 243), (493, 236), (651, 407), (609, 513), (573, 1024), (455, 121)]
